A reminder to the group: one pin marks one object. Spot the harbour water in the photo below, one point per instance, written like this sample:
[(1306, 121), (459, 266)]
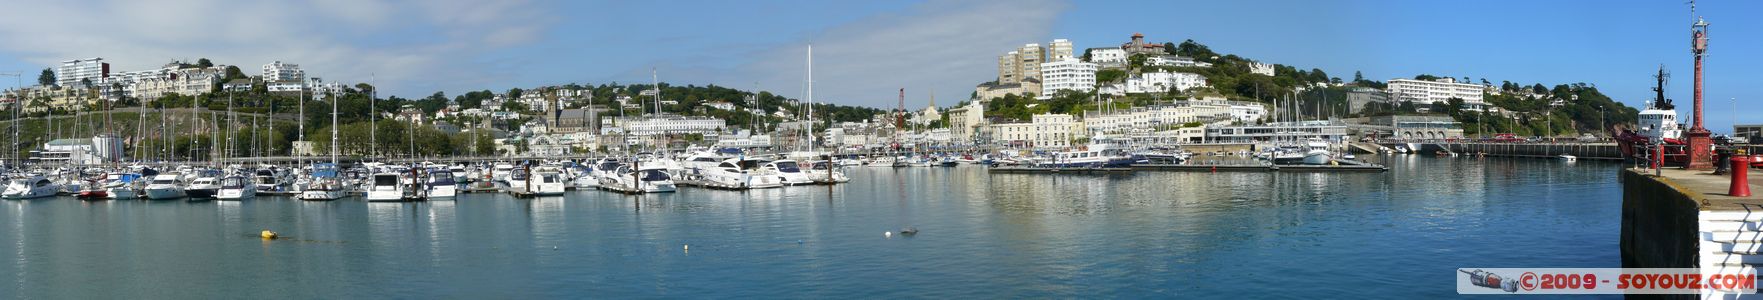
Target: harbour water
[(1392, 235)]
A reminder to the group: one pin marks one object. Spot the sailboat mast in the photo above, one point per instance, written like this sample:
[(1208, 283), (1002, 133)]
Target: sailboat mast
[(656, 79), (301, 132), (164, 136), (373, 114), (194, 121), (140, 130), (810, 132), (334, 129)]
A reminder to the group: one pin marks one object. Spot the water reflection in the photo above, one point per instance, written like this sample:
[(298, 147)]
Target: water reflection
[(1141, 235)]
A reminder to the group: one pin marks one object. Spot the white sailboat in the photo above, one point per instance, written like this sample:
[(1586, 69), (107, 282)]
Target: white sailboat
[(326, 183)]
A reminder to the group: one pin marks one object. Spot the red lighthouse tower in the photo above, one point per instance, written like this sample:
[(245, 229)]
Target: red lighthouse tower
[(1700, 145)]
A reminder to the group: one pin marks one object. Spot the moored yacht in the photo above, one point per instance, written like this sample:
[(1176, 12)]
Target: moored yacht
[(30, 187), (236, 187), (383, 187), (648, 179), (1316, 153), (821, 171), (122, 185), (1100, 153), (326, 184), (441, 184), (164, 187), (273, 181), (205, 187), (789, 171), (733, 173)]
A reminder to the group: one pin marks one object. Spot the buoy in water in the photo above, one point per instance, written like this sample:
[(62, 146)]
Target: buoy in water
[(889, 234), (269, 235), (687, 248)]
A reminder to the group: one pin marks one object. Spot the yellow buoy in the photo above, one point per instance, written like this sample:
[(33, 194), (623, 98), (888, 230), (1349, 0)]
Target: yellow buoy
[(269, 235)]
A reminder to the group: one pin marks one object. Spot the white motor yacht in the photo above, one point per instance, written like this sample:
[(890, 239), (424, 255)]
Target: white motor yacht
[(236, 187), (734, 173), (441, 184), (790, 171), (384, 186), (648, 179), (821, 171), (30, 187), (882, 161), (205, 187), (164, 187)]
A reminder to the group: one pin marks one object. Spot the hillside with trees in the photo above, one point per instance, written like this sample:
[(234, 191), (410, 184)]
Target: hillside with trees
[(1565, 109)]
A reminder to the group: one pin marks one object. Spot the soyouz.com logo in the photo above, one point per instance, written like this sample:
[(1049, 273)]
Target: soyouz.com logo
[(1605, 281)]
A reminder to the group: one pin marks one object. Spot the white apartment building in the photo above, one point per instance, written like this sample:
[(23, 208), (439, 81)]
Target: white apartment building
[(1048, 131), (665, 124), (1069, 74), (283, 72), (1173, 61), (1108, 56), (1261, 68), (1160, 117), (1246, 112), (327, 88), (1158, 82), (722, 105), (286, 86), (92, 69), (171, 78), (1439, 90)]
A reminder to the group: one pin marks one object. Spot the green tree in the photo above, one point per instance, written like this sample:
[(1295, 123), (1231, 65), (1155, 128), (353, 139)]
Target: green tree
[(204, 63), (233, 72), (47, 78), (1110, 75), (1189, 48)]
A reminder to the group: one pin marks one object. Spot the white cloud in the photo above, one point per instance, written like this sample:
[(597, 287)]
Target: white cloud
[(411, 46), (945, 46)]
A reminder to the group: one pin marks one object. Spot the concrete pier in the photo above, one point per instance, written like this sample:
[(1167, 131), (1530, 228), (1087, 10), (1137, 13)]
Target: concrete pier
[(1684, 219)]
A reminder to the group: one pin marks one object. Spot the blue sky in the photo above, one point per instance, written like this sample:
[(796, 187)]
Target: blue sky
[(865, 50)]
